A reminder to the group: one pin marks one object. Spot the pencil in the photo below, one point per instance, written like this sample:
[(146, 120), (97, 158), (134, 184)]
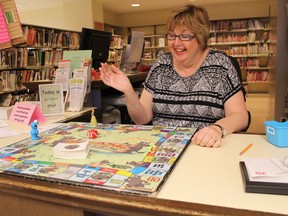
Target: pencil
[(245, 149)]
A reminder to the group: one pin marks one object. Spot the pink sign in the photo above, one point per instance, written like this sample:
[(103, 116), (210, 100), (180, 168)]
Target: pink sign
[(25, 113)]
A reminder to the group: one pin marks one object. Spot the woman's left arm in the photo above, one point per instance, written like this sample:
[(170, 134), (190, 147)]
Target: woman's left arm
[(236, 114), (236, 119)]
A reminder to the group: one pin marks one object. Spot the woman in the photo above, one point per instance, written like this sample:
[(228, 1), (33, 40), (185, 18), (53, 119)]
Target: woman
[(192, 86)]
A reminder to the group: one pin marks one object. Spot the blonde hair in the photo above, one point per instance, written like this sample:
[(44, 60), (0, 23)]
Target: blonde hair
[(195, 18)]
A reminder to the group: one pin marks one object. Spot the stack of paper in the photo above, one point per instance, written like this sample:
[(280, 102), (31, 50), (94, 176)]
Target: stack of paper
[(71, 150), (265, 175), (267, 169)]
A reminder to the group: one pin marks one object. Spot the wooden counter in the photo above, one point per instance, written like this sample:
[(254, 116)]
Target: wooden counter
[(205, 181), (95, 84)]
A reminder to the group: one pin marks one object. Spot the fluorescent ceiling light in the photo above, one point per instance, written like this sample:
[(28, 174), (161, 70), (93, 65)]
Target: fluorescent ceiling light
[(135, 5)]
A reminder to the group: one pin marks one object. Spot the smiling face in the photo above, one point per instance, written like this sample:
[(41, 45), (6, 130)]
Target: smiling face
[(187, 52), (192, 19)]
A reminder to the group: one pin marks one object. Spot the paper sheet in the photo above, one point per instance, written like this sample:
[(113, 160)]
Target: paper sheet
[(7, 131), (267, 169)]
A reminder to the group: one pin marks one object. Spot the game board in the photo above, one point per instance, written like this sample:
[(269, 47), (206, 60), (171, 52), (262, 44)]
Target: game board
[(130, 158)]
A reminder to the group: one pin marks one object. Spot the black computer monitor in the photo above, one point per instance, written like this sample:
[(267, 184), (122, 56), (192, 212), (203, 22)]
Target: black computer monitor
[(97, 41)]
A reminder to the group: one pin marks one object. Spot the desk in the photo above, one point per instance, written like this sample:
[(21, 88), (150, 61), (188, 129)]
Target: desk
[(84, 114), (97, 88), (134, 77), (206, 181)]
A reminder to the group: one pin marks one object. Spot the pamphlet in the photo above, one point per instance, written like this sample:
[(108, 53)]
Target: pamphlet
[(62, 76), (77, 88)]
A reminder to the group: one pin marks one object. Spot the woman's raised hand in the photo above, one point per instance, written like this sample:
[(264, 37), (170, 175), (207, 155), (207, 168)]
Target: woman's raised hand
[(114, 77)]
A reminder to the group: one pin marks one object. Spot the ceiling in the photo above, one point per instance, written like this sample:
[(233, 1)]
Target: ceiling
[(119, 6)]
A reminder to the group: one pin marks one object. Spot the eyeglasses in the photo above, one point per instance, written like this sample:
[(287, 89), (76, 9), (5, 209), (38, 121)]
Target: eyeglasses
[(182, 37)]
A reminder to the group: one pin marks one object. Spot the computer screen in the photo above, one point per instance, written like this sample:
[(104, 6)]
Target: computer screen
[(132, 52), (97, 41)]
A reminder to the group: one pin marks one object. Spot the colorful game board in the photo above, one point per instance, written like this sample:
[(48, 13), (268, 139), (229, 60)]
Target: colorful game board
[(130, 158)]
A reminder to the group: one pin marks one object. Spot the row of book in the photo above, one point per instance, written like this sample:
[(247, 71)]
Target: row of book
[(256, 49), (152, 42), (148, 54), (114, 56), (7, 100), (116, 42), (257, 76), (239, 38), (44, 58), (255, 63), (261, 38), (230, 25), (252, 37), (152, 55), (237, 50), (260, 62), (36, 75), (24, 57), (12, 80), (230, 38), (42, 37), (9, 81)]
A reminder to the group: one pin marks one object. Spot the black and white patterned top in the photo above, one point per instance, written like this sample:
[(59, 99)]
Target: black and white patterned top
[(194, 101)]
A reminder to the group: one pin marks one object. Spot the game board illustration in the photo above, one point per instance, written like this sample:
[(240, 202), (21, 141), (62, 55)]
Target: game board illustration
[(130, 158)]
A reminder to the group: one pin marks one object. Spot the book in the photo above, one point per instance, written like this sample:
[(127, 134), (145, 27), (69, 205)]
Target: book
[(161, 42), (264, 184), (31, 36), (71, 150)]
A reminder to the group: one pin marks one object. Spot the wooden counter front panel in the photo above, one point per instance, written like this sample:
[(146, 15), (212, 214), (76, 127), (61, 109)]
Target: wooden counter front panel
[(20, 196), (14, 205)]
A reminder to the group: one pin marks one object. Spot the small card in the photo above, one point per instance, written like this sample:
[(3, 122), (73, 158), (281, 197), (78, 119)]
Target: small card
[(51, 99), (68, 150)]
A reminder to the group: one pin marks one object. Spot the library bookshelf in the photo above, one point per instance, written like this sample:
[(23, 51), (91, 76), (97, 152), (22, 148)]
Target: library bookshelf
[(116, 49), (37, 58), (154, 41), (251, 42)]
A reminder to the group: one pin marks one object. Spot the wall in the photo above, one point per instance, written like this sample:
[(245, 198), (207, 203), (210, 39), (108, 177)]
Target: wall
[(111, 18), (98, 16), (238, 10), (78, 14), (65, 17), (219, 11), (46, 17), (90, 11), (280, 78)]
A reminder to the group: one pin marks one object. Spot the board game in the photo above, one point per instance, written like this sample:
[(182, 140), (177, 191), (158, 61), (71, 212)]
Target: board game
[(128, 158)]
